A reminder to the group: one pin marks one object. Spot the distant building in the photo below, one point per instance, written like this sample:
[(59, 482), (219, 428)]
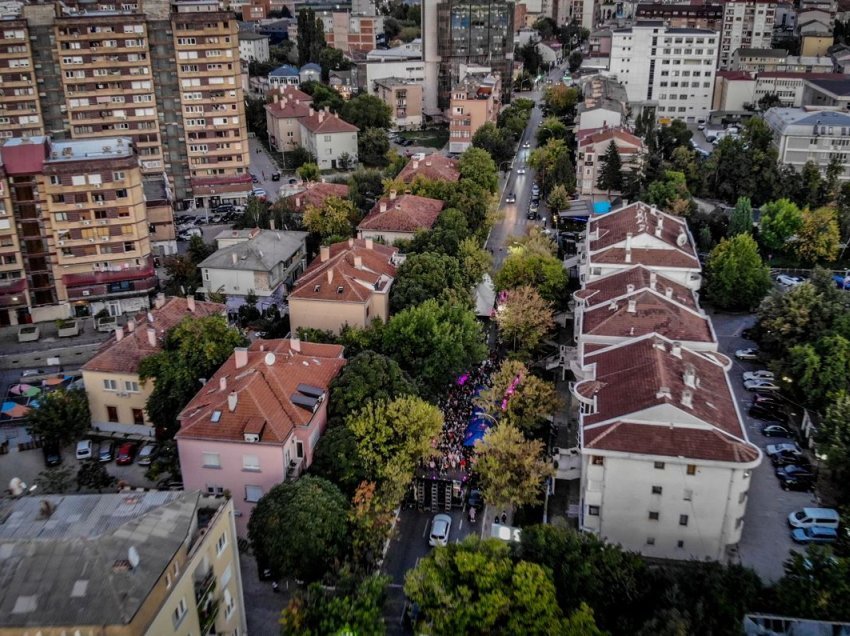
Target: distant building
[(310, 73), (253, 47), (747, 24), (404, 98), (827, 92), (604, 104), (351, 33), (396, 217), (758, 60), (402, 62), (288, 107), (343, 82), (802, 135), (286, 75), (475, 101), (257, 421), (328, 137), (593, 147), (164, 563), (683, 16)]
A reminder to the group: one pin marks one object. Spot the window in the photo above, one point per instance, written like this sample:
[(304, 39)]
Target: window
[(692, 469), (688, 495), (251, 462), (229, 605), (593, 511), (55, 180), (598, 460), (654, 516), (131, 387), (742, 497), (659, 465), (683, 520), (739, 522), (680, 544), (253, 493), (138, 416), (78, 179), (110, 385), (656, 490), (179, 612), (650, 541), (226, 576), (112, 413), (211, 460), (167, 580), (221, 544)]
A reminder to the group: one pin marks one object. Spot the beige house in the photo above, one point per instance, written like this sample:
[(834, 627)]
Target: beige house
[(116, 395), (289, 105), (404, 97), (399, 217), (348, 284), (125, 564), (474, 102)]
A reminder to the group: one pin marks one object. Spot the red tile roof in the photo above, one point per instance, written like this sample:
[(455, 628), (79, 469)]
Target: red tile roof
[(264, 389), (123, 356), (435, 167), (609, 134), (672, 246), (338, 277), (631, 379), (291, 93), (326, 123), (604, 289), (289, 108), (24, 156), (405, 213), (316, 193)]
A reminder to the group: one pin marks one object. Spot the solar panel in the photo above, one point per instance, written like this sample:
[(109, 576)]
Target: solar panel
[(304, 401), (312, 391)]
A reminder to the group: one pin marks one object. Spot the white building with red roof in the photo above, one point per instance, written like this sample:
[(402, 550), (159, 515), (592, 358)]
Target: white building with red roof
[(591, 149), (397, 217), (257, 421), (666, 460), (639, 234), (327, 137)]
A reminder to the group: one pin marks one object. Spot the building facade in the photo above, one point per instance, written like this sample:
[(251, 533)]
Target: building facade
[(593, 147), (288, 107), (683, 16), (746, 24), (801, 135), (328, 137), (404, 97), (475, 101), (253, 47)]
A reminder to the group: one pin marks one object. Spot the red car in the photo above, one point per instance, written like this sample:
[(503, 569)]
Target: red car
[(125, 454)]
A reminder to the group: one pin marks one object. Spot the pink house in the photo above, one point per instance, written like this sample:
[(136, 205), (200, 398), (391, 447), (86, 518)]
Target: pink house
[(257, 421)]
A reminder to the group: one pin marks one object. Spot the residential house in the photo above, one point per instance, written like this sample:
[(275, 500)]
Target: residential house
[(310, 72), (254, 261), (404, 98), (434, 167), (591, 149), (733, 90), (639, 234), (257, 421), (801, 135), (599, 43), (758, 60), (399, 217), (159, 209), (253, 47), (288, 107), (347, 284), (604, 104), (475, 101), (328, 137), (351, 33), (286, 75), (343, 82), (126, 564), (314, 193), (116, 394), (747, 24)]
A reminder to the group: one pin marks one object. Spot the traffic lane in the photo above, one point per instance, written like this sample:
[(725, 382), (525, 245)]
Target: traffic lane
[(263, 167), (766, 539)]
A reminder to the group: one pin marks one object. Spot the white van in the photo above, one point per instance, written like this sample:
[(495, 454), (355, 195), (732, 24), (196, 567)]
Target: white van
[(810, 517)]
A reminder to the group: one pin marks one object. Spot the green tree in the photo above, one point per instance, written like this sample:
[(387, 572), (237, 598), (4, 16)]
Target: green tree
[(331, 59), (816, 585), (311, 37), (610, 170), (524, 318), (434, 342), (818, 238), (62, 416), (445, 237), (367, 376), (780, 220), (54, 481), (499, 142), (299, 528), (553, 166), (821, 367), (813, 187), (93, 475), (309, 172), (367, 111), (323, 96), (424, 276), (561, 100), (474, 261), (737, 277), (511, 468), (768, 101), (183, 275), (393, 438), (670, 193), (575, 61), (550, 128), (525, 266), (518, 397), (559, 199), (741, 221), (834, 438), (373, 146), (193, 349), (365, 187), (332, 219), (477, 166), (336, 459), (529, 55), (832, 174)]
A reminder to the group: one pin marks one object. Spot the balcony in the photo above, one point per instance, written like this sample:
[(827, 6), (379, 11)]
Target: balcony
[(295, 468), (106, 278), (204, 588)]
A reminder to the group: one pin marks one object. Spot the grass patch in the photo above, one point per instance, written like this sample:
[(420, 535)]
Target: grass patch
[(434, 138)]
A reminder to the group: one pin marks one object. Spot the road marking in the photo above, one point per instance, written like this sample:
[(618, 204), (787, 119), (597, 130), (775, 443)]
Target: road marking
[(425, 529)]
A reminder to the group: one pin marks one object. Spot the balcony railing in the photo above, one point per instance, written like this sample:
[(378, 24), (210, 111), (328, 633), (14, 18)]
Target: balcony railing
[(204, 588), (207, 616)]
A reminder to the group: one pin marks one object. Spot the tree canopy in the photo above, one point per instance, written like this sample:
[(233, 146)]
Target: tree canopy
[(528, 265), (499, 142), (477, 165), (610, 170), (367, 111), (524, 318), (518, 397), (62, 416), (780, 220), (428, 275), (741, 221), (373, 146), (333, 218), (737, 277)]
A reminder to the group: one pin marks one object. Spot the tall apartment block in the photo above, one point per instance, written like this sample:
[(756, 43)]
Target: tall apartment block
[(747, 24), (165, 74), (74, 233), (471, 33)]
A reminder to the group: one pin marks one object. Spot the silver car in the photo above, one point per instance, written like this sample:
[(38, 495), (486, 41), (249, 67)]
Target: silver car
[(441, 526)]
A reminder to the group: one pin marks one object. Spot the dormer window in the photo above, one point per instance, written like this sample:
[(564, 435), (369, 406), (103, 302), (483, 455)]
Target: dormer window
[(340, 289), (215, 417)]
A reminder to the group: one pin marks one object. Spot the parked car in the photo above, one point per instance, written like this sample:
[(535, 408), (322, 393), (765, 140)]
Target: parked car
[(775, 430), (751, 353), (787, 454), (475, 499), (254, 178), (789, 281), (275, 176), (815, 534), (511, 198), (532, 215), (147, 454), (761, 385), (441, 526), (761, 374), (106, 453), (794, 477), (259, 193), (52, 454), (774, 449), (535, 190), (810, 517), (84, 449), (767, 412), (126, 452)]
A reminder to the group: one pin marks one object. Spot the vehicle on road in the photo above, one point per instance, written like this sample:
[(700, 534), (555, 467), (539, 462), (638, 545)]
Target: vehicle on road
[(815, 534), (84, 449), (520, 170), (275, 176), (761, 374), (52, 454), (441, 526), (106, 453), (776, 430), (761, 385), (510, 198), (531, 215), (475, 499), (786, 453), (126, 452), (750, 353), (146, 455), (526, 144), (811, 517), (789, 281)]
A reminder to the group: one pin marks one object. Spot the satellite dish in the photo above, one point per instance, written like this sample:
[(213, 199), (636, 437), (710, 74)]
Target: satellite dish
[(681, 239), (133, 557), (270, 359), (17, 487)]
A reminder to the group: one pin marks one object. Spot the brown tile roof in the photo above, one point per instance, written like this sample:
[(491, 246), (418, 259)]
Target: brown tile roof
[(670, 246), (634, 377), (611, 133), (651, 312), (604, 289), (404, 213), (123, 356), (290, 92), (435, 167), (288, 109), (315, 194), (326, 123), (338, 278), (264, 392)]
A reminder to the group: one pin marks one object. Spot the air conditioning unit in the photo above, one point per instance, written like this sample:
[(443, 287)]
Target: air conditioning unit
[(103, 221), (91, 240), (86, 222), (122, 394), (79, 205), (252, 438), (86, 292), (61, 242)]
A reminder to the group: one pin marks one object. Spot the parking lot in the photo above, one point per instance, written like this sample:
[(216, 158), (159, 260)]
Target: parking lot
[(766, 539)]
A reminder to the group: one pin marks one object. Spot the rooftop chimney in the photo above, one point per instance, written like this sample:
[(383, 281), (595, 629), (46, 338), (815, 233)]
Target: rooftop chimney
[(653, 278), (271, 224), (119, 333), (297, 202), (630, 288), (275, 97), (312, 112), (393, 194), (234, 257), (152, 336), (131, 325), (159, 303), (351, 242), (428, 163), (295, 344), (190, 303), (668, 292), (687, 399), (324, 253), (676, 350), (240, 356), (222, 383), (689, 377), (358, 262), (369, 244), (658, 230), (321, 116), (330, 276), (632, 308), (415, 164), (232, 399), (383, 206), (327, 109)]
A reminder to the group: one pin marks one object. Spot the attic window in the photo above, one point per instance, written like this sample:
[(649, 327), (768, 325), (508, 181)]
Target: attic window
[(317, 288), (216, 416), (340, 289)]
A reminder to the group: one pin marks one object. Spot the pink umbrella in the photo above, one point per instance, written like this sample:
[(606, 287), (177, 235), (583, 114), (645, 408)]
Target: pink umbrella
[(25, 389)]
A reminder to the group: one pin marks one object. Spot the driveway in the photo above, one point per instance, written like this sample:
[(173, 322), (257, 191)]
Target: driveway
[(766, 540)]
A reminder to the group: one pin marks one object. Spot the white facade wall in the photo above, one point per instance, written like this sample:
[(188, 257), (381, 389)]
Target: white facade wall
[(413, 70), (746, 24), (328, 148), (254, 50), (599, 118), (789, 89), (234, 282)]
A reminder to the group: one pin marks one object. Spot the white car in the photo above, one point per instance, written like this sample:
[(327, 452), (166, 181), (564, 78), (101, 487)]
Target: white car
[(761, 385), (527, 144), (520, 170), (510, 198), (84, 449), (789, 281), (762, 374), (747, 354), (783, 447), (441, 525)]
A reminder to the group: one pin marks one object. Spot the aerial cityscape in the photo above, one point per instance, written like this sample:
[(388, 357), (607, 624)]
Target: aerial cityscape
[(424, 317)]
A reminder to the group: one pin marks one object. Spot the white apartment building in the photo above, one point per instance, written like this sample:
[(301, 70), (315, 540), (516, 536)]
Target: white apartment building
[(666, 461), (253, 47), (803, 135), (327, 138), (746, 24), (669, 68)]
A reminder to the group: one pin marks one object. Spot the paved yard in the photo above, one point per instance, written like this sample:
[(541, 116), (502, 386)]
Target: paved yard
[(766, 540)]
